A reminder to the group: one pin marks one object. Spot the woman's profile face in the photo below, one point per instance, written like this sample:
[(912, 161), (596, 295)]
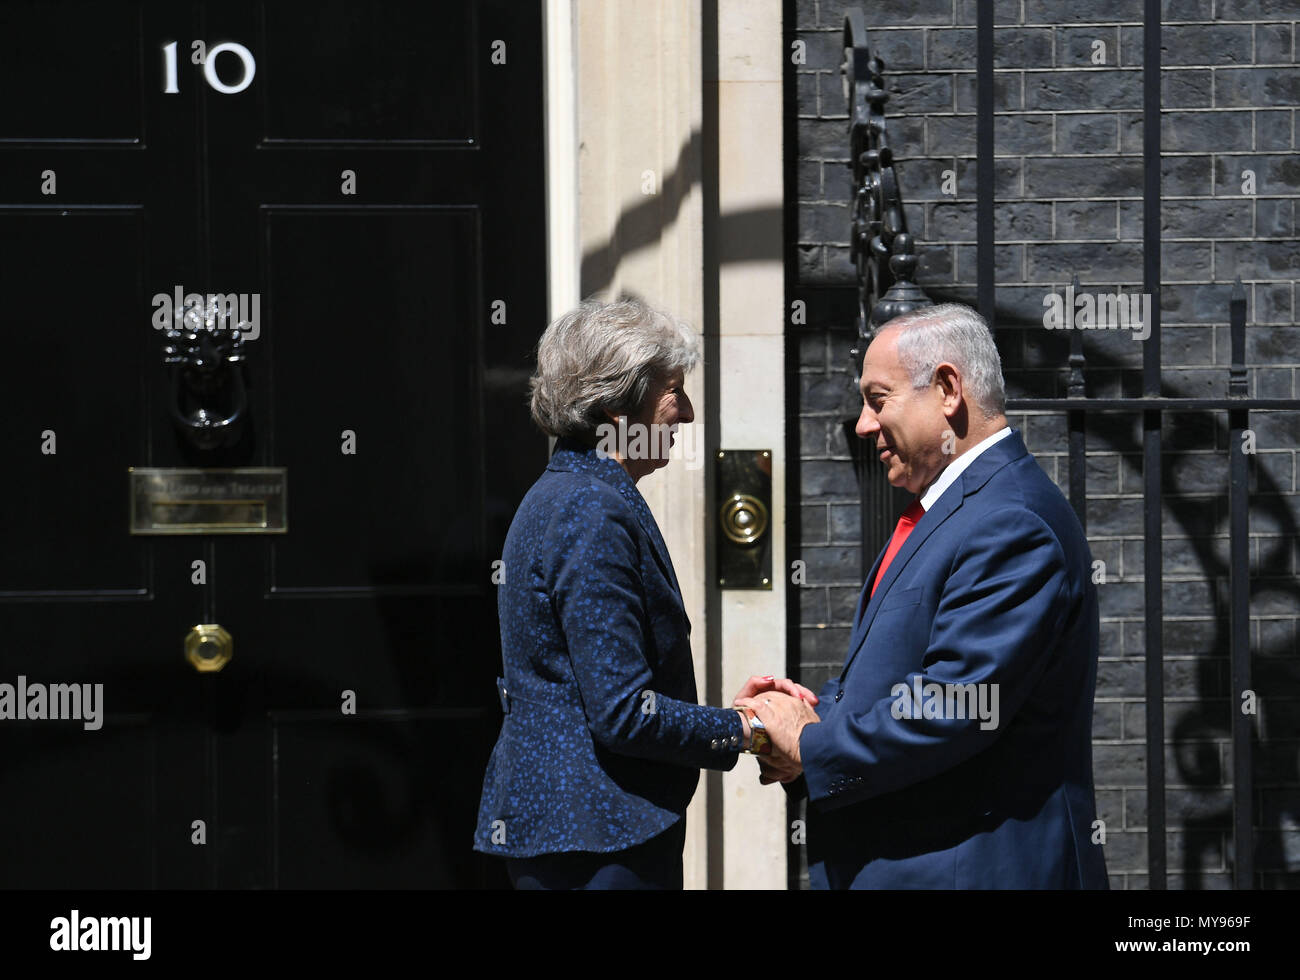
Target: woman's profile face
[(650, 431)]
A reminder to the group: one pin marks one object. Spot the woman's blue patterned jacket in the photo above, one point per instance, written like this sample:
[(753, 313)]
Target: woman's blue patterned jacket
[(603, 738)]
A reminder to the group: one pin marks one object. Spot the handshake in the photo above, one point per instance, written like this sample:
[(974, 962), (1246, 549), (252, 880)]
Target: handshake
[(783, 708)]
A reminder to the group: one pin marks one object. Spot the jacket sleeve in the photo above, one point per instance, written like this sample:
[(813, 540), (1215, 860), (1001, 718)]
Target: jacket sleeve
[(601, 603), (797, 789), (1000, 615)]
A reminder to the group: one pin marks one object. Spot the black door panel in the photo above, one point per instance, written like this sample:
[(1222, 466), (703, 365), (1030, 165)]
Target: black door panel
[(376, 184)]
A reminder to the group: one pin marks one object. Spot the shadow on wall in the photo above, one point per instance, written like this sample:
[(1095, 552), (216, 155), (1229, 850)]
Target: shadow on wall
[(751, 235)]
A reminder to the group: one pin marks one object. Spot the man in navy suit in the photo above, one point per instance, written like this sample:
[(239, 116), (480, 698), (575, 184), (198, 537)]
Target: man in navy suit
[(954, 749)]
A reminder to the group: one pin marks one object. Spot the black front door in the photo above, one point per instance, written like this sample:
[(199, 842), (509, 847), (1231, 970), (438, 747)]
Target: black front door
[(367, 180)]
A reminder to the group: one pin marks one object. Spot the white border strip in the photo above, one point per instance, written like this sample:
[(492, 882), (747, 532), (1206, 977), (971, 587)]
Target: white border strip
[(563, 262)]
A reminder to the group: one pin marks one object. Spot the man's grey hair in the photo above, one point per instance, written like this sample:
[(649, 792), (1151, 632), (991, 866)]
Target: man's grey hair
[(958, 335), (603, 357)]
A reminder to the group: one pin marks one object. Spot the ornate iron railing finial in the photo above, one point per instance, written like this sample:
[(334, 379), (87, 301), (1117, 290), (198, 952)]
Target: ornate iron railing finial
[(880, 245)]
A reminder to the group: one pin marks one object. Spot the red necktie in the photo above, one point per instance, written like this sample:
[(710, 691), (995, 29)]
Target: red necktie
[(906, 522)]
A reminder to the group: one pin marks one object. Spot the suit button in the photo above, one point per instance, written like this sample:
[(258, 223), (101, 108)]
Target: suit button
[(714, 745), (839, 694), (735, 741)]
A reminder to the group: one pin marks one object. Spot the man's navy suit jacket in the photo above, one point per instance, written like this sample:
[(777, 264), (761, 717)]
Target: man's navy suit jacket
[(603, 738), (992, 586)]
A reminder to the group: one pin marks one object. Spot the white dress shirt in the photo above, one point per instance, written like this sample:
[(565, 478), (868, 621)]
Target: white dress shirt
[(954, 469)]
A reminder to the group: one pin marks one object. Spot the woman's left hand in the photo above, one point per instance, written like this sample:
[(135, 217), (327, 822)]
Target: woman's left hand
[(757, 685)]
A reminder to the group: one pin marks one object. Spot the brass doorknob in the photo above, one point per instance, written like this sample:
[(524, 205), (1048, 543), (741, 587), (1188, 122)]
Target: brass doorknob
[(208, 647)]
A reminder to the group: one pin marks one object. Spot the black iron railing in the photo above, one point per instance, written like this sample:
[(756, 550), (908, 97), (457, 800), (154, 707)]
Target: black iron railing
[(882, 250)]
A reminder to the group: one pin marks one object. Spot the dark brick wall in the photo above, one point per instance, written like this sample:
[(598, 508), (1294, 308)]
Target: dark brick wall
[(1068, 177)]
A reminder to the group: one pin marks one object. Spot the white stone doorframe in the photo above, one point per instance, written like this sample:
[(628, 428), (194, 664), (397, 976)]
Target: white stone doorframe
[(626, 84)]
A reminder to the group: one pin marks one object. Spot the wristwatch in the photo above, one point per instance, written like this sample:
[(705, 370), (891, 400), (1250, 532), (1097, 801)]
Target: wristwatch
[(759, 743)]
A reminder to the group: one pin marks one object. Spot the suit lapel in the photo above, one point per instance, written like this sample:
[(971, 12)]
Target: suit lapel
[(864, 597), (972, 479), (574, 457), (642, 510), (926, 526)]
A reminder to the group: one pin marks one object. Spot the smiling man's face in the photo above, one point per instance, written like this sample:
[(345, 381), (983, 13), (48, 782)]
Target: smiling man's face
[(906, 425)]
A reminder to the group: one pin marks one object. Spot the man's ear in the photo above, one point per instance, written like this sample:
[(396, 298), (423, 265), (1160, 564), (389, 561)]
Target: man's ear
[(948, 379)]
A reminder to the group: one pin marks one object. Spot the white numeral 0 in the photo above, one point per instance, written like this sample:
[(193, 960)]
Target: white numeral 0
[(210, 68)]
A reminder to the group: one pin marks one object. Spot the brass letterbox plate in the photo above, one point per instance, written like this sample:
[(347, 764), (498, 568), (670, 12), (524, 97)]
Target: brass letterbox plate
[(247, 500)]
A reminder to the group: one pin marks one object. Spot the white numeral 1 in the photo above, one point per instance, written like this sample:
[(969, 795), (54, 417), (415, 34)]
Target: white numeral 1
[(169, 66)]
